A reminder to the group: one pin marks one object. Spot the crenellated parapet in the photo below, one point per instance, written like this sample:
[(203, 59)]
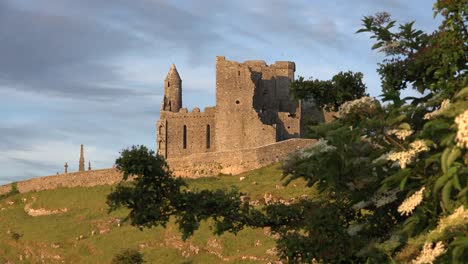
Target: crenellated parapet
[(253, 108)]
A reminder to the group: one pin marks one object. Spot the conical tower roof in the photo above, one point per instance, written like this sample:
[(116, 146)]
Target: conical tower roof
[(173, 74)]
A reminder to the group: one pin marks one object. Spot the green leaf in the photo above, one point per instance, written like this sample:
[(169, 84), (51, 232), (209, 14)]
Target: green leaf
[(446, 191), (378, 45), (462, 192), (403, 183), (454, 154), (448, 139), (456, 182), (432, 159), (462, 93), (405, 126), (457, 253), (443, 179), (397, 119), (461, 241), (443, 159)]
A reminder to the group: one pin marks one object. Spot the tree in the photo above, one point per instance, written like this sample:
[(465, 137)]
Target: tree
[(393, 177), (330, 94)]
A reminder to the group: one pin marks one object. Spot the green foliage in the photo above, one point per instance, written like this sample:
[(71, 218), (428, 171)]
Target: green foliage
[(154, 196), (128, 256), (151, 194), (344, 86)]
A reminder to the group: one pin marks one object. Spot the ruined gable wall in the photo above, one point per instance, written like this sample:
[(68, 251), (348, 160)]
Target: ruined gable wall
[(196, 124), (237, 123), (274, 87)]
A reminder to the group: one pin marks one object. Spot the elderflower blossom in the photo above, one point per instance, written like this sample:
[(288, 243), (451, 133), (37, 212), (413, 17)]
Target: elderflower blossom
[(405, 157), (443, 106), (401, 134), (363, 104), (410, 203), (429, 254), (458, 217), (319, 147), (419, 146), (462, 131), (360, 205), (382, 198)]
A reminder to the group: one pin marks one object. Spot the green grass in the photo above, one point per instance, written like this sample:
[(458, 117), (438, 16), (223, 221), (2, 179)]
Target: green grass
[(87, 211)]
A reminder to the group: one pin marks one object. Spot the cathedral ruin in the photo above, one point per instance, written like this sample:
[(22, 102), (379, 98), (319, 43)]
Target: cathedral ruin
[(253, 109)]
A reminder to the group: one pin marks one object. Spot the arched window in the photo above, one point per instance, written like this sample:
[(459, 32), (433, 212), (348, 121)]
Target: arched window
[(168, 84), (185, 137), (208, 137)]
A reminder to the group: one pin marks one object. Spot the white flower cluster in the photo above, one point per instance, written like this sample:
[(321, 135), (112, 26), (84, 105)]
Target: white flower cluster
[(462, 132), (379, 199), (419, 146), (410, 203), (382, 198), (401, 134), (429, 253), (405, 157), (364, 104), (458, 217), (443, 106), (391, 47), (319, 147)]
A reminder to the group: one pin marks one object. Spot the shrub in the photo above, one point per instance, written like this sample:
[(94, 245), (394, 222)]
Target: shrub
[(128, 256)]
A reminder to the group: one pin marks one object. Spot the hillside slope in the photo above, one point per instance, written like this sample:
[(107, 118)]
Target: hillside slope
[(71, 225)]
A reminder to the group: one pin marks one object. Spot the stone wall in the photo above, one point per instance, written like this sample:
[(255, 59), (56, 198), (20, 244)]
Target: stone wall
[(84, 178), (249, 97), (193, 166), (237, 161), (198, 126)]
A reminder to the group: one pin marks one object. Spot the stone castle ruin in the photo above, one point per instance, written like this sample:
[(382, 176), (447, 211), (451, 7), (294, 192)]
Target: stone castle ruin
[(253, 109), (254, 123)]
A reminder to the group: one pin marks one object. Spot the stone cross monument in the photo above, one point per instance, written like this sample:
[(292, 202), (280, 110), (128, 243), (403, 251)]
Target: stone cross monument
[(81, 166), (89, 165), (66, 167)]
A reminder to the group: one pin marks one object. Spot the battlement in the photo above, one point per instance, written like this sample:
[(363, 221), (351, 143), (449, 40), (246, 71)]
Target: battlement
[(253, 108)]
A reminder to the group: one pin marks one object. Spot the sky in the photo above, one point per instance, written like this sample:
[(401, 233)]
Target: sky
[(91, 72)]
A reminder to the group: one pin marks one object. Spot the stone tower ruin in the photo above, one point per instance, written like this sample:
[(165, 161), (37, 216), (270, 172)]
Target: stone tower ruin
[(172, 91), (253, 109)]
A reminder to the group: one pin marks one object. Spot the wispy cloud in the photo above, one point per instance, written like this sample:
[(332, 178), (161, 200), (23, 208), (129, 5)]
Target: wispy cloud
[(91, 72)]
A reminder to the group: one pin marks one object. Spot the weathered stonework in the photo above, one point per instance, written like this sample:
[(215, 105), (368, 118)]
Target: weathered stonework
[(235, 161), (254, 123), (253, 109), (75, 179)]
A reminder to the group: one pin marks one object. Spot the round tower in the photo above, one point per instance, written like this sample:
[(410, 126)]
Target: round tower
[(172, 91)]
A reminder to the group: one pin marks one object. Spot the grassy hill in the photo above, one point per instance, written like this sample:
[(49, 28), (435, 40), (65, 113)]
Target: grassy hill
[(81, 230)]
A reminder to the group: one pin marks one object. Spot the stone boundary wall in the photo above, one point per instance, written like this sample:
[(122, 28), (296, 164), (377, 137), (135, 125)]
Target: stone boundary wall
[(75, 179), (237, 161), (193, 166)]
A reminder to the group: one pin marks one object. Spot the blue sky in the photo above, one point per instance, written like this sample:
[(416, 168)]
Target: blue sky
[(91, 72)]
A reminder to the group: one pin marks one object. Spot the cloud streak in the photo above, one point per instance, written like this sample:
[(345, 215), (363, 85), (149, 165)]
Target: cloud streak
[(91, 72)]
